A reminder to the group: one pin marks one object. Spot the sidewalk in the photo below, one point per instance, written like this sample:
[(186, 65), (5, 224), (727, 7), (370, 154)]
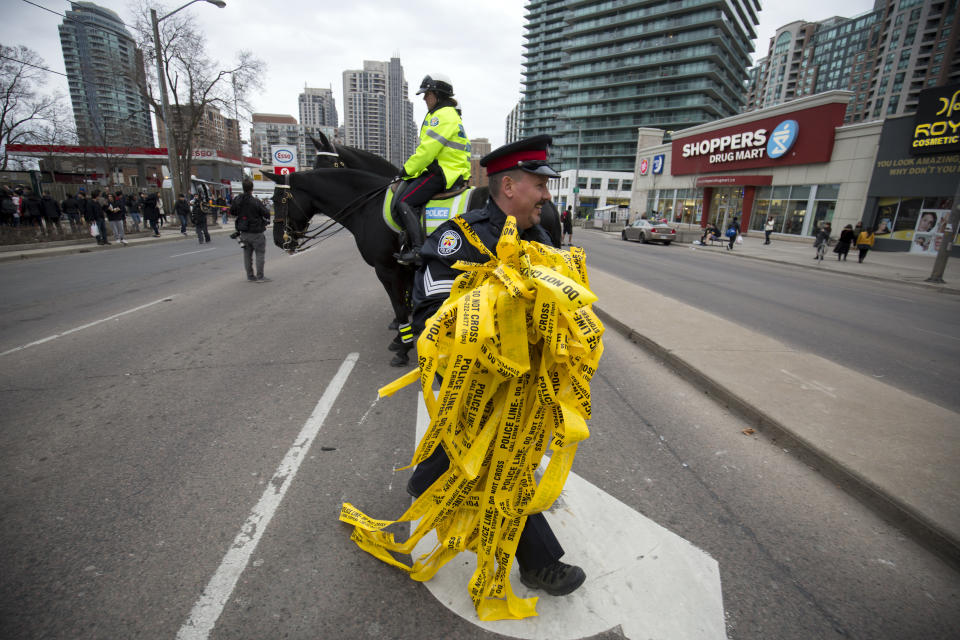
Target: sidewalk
[(894, 451), (65, 247)]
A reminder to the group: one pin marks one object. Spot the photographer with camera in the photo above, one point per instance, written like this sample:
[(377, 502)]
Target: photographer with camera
[(252, 220), (199, 219)]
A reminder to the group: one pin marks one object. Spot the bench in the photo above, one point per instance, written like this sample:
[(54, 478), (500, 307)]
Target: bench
[(713, 241)]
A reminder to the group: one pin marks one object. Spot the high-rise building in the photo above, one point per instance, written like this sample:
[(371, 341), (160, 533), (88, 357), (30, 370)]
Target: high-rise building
[(317, 107), (596, 71), (885, 56), (213, 131), (104, 73), (275, 128), (479, 147), (377, 115), (512, 129)]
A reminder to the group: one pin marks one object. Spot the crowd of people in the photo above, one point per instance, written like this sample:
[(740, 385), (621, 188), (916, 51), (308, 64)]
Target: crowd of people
[(103, 213)]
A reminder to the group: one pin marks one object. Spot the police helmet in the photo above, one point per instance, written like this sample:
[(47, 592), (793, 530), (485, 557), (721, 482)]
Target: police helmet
[(438, 83)]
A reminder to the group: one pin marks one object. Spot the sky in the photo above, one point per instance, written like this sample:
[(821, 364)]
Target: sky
[(477, 43)]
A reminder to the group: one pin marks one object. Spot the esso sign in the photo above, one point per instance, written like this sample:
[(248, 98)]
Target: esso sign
[(283, 156)]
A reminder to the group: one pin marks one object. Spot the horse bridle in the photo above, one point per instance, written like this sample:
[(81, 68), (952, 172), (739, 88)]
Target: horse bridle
[(306, 238)]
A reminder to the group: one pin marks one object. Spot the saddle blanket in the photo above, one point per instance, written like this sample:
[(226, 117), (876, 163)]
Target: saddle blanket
[(436, 212)]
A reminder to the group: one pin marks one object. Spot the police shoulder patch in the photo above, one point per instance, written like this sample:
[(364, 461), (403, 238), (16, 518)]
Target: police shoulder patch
[(449, 243), (434, 121)]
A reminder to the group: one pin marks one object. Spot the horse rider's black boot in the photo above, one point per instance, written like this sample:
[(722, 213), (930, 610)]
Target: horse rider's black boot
[(411, 222)]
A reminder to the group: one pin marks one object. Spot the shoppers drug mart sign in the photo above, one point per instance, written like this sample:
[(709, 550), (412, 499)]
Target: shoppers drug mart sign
[(793, 137)]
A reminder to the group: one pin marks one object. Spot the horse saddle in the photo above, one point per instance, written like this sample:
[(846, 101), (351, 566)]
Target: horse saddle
[(443, 206)]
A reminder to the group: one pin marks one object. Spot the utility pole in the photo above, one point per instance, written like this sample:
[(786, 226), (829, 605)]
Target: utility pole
[(165, 108)]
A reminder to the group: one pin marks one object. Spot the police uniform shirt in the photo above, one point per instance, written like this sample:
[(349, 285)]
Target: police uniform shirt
[(445, 246)]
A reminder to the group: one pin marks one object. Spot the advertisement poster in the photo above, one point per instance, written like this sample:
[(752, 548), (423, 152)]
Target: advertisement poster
[(929, 232)]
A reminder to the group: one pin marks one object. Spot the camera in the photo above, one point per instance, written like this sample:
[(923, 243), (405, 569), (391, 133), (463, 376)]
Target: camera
[(234, 235)]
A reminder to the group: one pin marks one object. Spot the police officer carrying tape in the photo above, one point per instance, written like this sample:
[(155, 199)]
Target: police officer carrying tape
[(518, 174)]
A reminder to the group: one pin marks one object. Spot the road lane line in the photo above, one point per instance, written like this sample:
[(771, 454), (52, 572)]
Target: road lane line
[(87, 326), (208, 608), (192, 252)]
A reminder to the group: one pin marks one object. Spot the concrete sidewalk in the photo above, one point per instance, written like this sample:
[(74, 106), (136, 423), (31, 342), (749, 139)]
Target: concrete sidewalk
[(894, 451)]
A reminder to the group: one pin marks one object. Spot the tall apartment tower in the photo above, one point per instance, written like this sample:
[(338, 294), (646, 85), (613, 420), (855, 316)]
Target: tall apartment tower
[(377, 115), (275, 128), (104, 68), (317, 108), (512, 127), (595, 71), (885, 56)]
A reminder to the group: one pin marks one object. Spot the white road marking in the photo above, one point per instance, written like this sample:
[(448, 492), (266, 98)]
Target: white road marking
[(941, 335), (192, 252), (811, 384), (208, 608), (87, 326), (641, 577)]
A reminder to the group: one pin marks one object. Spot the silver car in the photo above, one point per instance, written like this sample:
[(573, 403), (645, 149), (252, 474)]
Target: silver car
[(649, 231)]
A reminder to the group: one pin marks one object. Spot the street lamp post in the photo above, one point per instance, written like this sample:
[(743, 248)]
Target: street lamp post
[(164, 104)]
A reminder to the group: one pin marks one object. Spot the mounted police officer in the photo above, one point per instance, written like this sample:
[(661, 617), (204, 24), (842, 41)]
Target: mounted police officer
[(440, 163), (518, 175)]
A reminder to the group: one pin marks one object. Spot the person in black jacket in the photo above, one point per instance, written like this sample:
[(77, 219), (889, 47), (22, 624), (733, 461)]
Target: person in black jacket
[(252, 219), (182, 209), (71, 207), (32, 209), (51, 213), (95, 215), (115, 217), (199, 219), (518, 187), (150, 211)]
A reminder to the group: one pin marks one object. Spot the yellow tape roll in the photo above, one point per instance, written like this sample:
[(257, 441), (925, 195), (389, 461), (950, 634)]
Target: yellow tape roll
[(516, 344)]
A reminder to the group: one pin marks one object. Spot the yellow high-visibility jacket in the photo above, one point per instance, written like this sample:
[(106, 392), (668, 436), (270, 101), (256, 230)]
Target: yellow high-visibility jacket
[(443, 139)]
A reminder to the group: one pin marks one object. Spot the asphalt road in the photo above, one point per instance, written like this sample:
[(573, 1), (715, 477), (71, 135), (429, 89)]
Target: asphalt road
[(133, 450), (903, 335)]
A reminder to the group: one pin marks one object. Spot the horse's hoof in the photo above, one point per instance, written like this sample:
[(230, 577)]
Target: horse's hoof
[(400, 360), (397, 345), (393, 326)]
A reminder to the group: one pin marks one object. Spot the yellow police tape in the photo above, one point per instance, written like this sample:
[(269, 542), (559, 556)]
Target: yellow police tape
[(516, 344)]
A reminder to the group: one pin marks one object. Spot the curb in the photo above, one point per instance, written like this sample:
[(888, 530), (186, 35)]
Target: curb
[(891, 509), (84, 246)]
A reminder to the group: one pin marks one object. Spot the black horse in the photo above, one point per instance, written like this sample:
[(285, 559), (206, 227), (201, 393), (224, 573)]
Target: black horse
[(354, 199), (338, 155)]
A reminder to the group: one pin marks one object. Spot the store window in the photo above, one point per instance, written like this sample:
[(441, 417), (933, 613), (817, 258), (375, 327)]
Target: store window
[(905, 218), (796, 209)]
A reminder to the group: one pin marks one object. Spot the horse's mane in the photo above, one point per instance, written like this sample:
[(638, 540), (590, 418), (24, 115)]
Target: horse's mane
[(354, 157), (334, 178)]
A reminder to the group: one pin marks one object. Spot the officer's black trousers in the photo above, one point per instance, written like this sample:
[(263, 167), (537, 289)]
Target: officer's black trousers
[(537, 547)]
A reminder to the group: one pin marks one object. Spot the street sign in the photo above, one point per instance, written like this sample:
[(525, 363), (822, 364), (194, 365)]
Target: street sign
[(283, 171), (576, 189)]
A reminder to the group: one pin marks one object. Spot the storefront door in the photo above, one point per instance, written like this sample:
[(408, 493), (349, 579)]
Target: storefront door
[(726, 203)]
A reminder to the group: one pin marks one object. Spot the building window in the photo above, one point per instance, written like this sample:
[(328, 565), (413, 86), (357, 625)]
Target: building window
[(626, 185), (595, 183)]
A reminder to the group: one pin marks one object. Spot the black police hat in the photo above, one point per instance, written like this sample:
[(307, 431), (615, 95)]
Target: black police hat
[(529, 154)]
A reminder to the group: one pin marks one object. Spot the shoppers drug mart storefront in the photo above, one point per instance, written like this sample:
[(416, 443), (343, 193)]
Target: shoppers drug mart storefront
[(799, 165), (795, 162)]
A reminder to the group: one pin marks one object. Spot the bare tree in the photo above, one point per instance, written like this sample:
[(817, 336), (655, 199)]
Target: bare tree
[(23, 109), (195, 81), (58, 128)]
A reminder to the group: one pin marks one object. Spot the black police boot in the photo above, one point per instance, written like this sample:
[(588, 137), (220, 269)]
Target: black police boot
[(411, 222), (557, 579)]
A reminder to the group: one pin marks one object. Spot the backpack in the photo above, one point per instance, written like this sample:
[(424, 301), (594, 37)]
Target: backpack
[(731, 232)]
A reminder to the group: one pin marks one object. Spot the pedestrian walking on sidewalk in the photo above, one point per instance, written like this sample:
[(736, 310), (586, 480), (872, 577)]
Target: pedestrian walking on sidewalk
[(115, 218), (566, 221), (865, 243), (844, 242), (150, 212), (182, 210), (95, 216), (768, 229), (199, 219), (252, 219), (51, 212), (823, 237), (732, 232), (133, 208)]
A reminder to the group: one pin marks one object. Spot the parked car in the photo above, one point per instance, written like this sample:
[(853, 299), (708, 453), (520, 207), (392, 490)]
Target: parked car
[(649, 231)]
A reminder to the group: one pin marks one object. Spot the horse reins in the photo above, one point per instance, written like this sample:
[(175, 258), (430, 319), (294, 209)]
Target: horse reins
[(307, 238)]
